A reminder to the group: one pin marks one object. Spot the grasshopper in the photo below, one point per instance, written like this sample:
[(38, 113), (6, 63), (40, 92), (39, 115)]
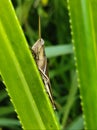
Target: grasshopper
[(38, 52)]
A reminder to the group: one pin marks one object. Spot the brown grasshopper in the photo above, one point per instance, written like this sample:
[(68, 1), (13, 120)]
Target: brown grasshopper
[(38, 52)]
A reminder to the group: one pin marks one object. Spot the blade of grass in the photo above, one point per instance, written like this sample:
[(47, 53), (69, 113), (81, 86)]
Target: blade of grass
[(23, 10), (6, 122), (70, 100), (58, 50), (3, 95), (6, 110), (77, 124)]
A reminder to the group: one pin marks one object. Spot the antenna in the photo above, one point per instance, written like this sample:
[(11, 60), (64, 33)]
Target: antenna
[(39, 28)]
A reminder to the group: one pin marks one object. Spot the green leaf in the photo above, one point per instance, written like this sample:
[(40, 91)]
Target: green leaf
[(6, 122), (3, 95), (23, 10), (85, 41), (77, 124), (70, 99), (58, 50), (6, 110), (21, 76)]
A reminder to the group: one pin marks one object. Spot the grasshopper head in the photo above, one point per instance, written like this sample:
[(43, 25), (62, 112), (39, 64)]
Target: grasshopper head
[(38, 49)]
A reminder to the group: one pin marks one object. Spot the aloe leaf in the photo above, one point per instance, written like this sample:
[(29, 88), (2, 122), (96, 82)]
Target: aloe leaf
[(84, 39), (21, 76)]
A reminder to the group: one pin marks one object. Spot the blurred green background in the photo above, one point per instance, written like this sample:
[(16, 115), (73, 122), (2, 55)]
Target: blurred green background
[(55, 29)]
